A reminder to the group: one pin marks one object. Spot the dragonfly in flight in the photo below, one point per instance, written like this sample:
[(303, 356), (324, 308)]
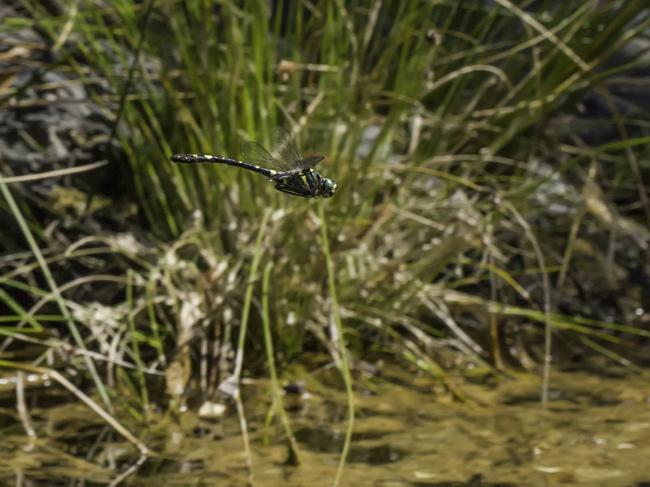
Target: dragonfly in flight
[(286, 167)]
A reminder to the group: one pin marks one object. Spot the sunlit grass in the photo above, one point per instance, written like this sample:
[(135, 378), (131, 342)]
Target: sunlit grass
[(448, 127)]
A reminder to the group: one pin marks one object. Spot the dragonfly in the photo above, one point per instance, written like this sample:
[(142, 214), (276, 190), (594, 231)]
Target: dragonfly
[(286, 167)]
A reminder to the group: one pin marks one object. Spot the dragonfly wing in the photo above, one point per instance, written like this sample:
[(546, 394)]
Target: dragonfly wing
[(284, 147), (285, 157), (309, 162), (254, 153)]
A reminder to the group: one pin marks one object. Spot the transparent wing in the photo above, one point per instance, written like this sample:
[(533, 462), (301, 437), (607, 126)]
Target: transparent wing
[(284, 147), (285, 156), (254, 153), (308, 162)]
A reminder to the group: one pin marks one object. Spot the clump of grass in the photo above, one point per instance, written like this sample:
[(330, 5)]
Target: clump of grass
[(443, 125)]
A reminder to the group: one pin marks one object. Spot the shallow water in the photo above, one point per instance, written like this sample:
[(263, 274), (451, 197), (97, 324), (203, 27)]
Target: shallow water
[(594, 432)]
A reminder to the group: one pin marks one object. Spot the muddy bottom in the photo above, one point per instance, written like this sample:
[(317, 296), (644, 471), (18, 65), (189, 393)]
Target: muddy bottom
[(595, 431)]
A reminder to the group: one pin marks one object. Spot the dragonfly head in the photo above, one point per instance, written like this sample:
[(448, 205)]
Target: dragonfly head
[(327, 188)]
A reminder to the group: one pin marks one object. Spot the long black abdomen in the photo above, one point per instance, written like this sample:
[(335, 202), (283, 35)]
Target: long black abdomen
[(207, 158)]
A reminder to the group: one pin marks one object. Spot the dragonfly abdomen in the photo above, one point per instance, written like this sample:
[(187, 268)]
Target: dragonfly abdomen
[(207, 158)]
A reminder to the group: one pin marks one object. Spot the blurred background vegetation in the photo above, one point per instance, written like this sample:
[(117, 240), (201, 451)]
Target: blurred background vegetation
[(491, 157)]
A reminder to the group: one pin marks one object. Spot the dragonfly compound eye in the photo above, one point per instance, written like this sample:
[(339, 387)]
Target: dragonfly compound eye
[(328, 187)]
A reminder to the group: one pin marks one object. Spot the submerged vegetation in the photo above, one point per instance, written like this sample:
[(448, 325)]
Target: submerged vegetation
[(492, 209)]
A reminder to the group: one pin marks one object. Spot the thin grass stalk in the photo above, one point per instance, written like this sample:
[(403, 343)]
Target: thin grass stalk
[(568, 251), (23, 410), (135, 341), (278, 403), (54, 173), (110, 420), (343, 353), (574, 323), (530, 20), (494, 323), (21, 315), (129, 471), (248, 297), (243, 328), (37, 318), (153, 323), (632, 159), (547, 298), (72, 327), (67, 27), (610, 354), (134, 63)]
